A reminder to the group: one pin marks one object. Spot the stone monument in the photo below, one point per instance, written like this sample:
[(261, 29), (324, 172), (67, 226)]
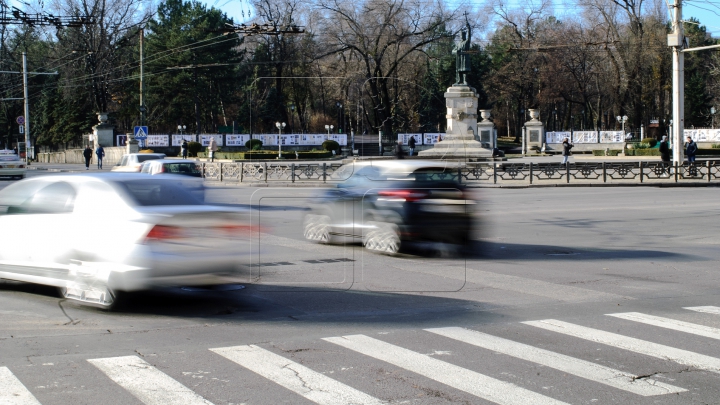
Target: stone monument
[(103, 132), (461, 100), (131, 145), (534, 133)]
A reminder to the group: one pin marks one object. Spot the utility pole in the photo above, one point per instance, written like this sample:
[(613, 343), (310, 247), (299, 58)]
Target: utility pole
[(676, 40), (27, 109), (142, 87)]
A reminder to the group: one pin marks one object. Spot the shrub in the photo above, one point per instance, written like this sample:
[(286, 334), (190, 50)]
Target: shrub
[(194, 148), (716, 146), (331, 145), (640, 145), (253, 144), (651, 142)]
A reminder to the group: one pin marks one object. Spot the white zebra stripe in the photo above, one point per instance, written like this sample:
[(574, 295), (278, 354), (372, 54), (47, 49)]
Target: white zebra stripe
[(146, 383), (581, 368), (706, 309), (310, 384), (454, 376), (680, 356), (667, 323), (12, 391)]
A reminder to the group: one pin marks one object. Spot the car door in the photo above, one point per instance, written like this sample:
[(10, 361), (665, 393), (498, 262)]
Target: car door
[(35, 219)]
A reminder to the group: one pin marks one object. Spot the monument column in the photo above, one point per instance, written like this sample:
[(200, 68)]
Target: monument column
[(103, 132), (534, 133), (486, 130)]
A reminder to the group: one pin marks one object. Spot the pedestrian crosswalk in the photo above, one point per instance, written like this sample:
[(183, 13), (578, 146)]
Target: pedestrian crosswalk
[(316, 383)]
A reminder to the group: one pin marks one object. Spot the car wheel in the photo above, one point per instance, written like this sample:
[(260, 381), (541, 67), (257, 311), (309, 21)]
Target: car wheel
[(110, 300), (317, 228), (383, 239)]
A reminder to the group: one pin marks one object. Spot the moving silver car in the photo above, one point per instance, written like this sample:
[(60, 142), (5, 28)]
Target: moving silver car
[(95, 235)]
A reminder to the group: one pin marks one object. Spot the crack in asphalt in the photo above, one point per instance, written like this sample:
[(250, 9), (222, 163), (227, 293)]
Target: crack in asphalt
[(71, 320)]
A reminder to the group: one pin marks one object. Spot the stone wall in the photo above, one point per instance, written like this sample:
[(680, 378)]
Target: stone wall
[(112, 156)]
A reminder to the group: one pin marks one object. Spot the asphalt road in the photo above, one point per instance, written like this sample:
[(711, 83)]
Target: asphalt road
[(572, 295)]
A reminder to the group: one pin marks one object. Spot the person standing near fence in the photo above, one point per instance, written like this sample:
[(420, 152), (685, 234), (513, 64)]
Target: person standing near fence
[(566, 150), (184, 149), (691, 150), (100, 153), (411, 145), (665, 154)]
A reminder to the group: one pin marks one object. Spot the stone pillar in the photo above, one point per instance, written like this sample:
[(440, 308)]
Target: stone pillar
[(534, 133), (486, 130), (131, 145), (103, 132), (460, 139)]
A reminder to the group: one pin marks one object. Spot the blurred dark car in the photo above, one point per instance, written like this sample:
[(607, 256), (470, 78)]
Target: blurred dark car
[(390, 205)]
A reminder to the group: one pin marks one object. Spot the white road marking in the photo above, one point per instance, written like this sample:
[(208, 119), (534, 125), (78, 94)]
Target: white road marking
[(146, 383), (457, 377), (570, 365), (12, 391), (680, 326), (310, 384), (680, 356), (707, 309)]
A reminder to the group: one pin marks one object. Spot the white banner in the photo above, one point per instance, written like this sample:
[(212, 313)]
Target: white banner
[(431, 139), (557, 136), (404, 138), (611, 136), (177, 140), (703, 135), (157, 140), (267, 140), (339, 138), (585, 137), (205, 139), (236, 140), (312, 139)]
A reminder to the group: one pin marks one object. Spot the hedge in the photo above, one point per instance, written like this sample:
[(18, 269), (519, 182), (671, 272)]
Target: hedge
[(269, 155), (601, 152)]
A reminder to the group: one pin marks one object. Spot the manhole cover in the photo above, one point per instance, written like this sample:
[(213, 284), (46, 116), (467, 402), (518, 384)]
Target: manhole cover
[(223, 287)]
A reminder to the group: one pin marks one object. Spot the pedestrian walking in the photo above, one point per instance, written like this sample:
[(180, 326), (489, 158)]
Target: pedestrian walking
[(184, 149), (690, 150), (212, 147), (100, 153), (399, 152), (87, 153), (566, 150), (411, 145)]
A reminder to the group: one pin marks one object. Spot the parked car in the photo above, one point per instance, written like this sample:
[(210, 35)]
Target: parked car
[(97, 235), (172, 166), (11, 166), (388, 205), (131, 162)]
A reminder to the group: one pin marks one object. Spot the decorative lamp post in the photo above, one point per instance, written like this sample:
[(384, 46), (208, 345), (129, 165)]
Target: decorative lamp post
[(280, 126), (340, 115), (622, 121), (329, 128), (182, 129), (713, 111)]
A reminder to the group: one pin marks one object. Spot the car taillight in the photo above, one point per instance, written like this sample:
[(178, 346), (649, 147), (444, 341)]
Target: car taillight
[(402, 195), (164, 232), (162, 169)]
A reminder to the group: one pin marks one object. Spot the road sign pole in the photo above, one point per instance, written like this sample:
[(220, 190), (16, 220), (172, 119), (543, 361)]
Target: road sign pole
[(27, 108)]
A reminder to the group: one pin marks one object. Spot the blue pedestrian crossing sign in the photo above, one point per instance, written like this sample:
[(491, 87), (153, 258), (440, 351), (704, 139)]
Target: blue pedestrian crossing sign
[(141, 133)]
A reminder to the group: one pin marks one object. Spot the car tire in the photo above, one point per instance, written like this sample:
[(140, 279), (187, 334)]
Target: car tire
[(316, 228), (384, 238), (116, 299)]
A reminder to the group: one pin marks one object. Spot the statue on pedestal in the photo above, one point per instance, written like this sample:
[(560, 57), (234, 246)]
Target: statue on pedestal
[(462, 55)]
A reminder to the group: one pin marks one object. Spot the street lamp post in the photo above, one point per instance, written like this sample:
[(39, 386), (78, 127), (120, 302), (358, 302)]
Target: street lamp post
[(292, 118), (712, 112), (622, 121), (329, 128), (280, 126), (182, 129)]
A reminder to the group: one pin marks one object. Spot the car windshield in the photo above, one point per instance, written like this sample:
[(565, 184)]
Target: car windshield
[(188, 169), (154, 193), (142, 158)]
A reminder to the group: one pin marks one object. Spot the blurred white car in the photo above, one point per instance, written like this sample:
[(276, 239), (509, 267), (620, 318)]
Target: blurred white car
[(11, 165), (94, 235), (182, 167), (131, 162)]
